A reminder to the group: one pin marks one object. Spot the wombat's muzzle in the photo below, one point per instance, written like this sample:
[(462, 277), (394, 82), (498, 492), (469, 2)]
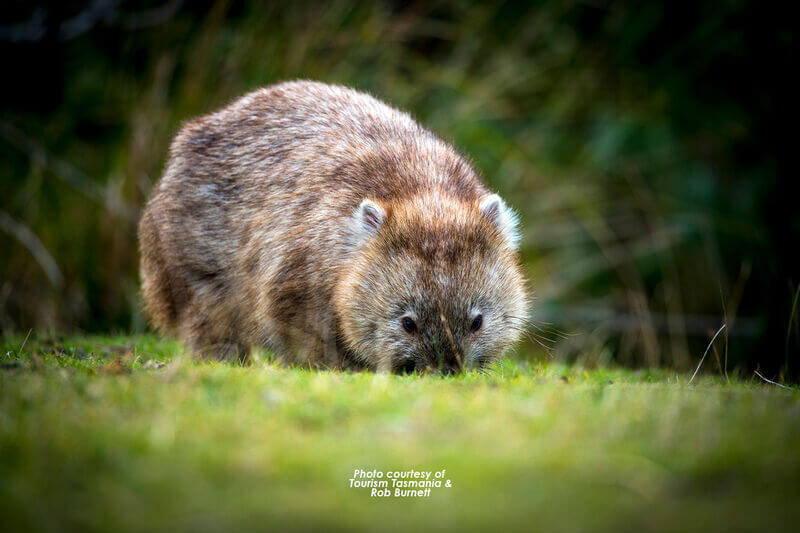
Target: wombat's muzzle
[(446, 368)]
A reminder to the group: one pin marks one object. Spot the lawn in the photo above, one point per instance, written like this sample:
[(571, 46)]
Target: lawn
[(127, 433)]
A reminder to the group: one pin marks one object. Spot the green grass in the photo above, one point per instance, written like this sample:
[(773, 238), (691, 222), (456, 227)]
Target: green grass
[(95, 433)]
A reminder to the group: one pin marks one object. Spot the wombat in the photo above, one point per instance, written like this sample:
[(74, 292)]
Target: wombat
[(332, 229)]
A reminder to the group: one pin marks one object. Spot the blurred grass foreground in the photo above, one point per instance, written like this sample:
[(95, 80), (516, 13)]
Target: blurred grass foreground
[(640, 143), (127, 434)]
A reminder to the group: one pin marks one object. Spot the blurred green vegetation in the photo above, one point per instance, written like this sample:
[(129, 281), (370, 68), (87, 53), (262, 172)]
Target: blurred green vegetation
[(129, 434), (641, 143)]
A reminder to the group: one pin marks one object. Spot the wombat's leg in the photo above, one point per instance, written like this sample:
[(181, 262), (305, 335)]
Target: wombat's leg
[(205, 344), (232, 352), (229, 351)]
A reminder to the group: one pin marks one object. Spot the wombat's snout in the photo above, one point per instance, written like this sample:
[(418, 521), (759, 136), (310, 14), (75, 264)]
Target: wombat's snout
[(450, 370), (409, 366), (406, 366)]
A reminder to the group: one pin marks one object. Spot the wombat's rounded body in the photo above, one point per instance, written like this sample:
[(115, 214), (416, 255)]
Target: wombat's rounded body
[(332, 229)]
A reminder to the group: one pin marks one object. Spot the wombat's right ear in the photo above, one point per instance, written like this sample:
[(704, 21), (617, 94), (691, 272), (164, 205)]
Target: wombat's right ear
[(496, 210), (368, 218)]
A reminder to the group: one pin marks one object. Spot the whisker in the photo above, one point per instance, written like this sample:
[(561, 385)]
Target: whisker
[(533, 338), (533, 334)]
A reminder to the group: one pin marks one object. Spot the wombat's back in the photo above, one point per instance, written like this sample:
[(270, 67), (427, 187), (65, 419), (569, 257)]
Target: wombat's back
[(245, 233)]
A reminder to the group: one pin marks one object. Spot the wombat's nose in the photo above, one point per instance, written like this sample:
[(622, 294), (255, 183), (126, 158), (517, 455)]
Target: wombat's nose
[(449, 370), (407, 366)]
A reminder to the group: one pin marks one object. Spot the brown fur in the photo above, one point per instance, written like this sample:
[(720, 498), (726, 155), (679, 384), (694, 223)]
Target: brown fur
[(310, 219)]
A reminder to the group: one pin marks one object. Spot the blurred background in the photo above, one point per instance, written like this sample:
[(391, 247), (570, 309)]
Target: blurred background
[(642, 143)]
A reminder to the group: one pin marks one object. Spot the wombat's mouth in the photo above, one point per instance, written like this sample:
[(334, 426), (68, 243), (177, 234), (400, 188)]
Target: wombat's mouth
[(405, 366), (411, 366)]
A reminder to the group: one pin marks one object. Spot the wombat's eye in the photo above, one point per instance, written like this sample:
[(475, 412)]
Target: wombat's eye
[(477, 322), (408, 324)]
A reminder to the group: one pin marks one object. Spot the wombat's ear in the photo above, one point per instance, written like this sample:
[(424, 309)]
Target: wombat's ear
[(496, 210), (368, 218)]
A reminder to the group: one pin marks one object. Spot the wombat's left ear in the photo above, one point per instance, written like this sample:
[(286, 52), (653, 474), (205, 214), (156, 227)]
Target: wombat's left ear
[(368, 219), (496, 210)]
